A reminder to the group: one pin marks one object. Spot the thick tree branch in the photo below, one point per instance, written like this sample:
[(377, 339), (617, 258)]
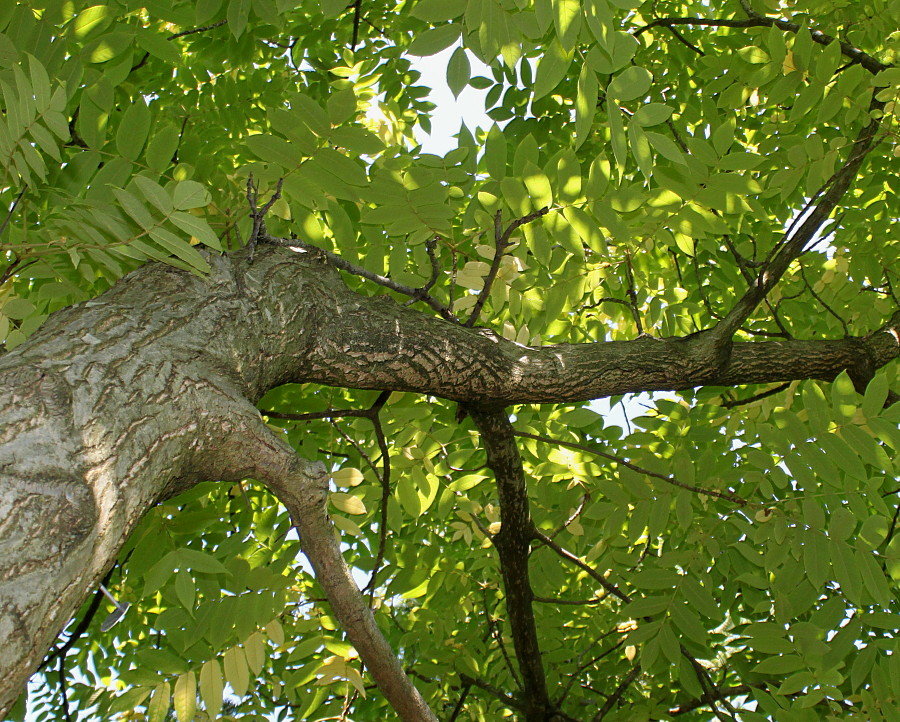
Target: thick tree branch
[(303, 488), (513, 544), (120, 402)]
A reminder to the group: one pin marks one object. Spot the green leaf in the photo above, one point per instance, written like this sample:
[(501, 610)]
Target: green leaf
[(646, 606), (196, 227), (567, 20), (154, 193), (495, 153), (190, 194), (617, 134), (158, 706), (348, 503), (199, 561), (236, 672), (275, 150), (538, 186), (551, 69), (180, 248), (652, 114), (408, 495), (782, 664), (185, 697), (158, 46), (875, 396), (255, 653), (135, 208), (631, 83), (585, 104), (435, 11), (640, 148), (161, 148), (238, 13), (431, 42), (458, 71), (211, 687), (184, 589)]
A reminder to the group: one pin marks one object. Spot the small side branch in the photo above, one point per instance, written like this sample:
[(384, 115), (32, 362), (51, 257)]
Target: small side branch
[(258, 214), (797, 242), (855, 55), (419, 294), (302, 486), (502, 242), (384, 478), (734, 403), (570, 557)]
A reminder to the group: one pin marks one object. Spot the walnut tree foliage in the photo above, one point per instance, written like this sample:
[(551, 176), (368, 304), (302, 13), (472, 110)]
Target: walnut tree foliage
[(726, 548)]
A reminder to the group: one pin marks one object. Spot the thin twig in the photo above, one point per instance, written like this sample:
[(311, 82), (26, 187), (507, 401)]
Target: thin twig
[(375, 410), (344, 265), (497, 636), (460, 702), (506, 699), (81, 627), (585, 498), (581, 666), (64, 700), (760, 21), (569, 556), (632, 294), (634, 467), (502, 242), (569, 602), (617, 694), (218, 24), (734, 403), (710, 689), (822, 303), (258, 214), (12, 208), (430, 246), (684, 41)]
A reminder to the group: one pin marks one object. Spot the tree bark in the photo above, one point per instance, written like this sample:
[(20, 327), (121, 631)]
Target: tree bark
[(125, 400)]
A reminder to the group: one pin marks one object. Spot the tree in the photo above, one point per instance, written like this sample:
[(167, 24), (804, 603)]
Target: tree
[(243, 317)]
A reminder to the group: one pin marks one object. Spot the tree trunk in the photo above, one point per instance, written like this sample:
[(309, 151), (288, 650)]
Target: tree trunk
[(128, 399)]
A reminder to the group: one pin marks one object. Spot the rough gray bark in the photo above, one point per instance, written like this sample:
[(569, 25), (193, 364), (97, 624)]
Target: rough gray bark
[(132, 397)]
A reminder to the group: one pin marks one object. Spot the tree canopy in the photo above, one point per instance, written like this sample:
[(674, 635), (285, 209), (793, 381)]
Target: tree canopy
[(214, 207)]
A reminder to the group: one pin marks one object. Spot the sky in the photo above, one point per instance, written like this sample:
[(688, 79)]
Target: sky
[(468, 108)]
